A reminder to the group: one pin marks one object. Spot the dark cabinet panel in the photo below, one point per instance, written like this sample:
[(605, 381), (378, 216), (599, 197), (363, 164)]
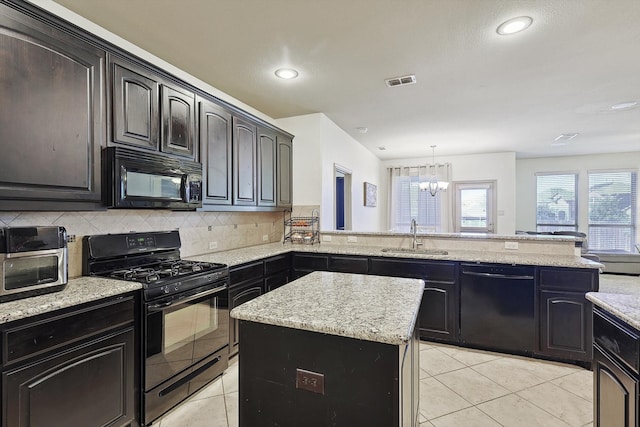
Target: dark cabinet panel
[(134, 102), (52, 116), (565, 325), (244, 162), (285, 171), (178, 121), (91, 385), (215, 153), (615, 393), (266, 168), (349, 264), (239, 295), (277, 264), (569, 279), (276, 280), (306, 263)]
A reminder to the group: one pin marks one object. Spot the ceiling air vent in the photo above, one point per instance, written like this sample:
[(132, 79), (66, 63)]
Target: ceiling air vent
[(401, 81)]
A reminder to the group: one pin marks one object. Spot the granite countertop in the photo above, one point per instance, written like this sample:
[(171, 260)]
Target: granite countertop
[(620, 296), (243, 255), (77, 291), (371, 308)]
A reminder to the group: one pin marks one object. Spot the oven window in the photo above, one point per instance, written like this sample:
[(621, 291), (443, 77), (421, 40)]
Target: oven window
[(142, 184), (189, 324), (183, 334), (30, 271)]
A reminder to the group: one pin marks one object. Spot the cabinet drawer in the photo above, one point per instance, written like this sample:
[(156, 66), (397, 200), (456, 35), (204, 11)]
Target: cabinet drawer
[(57, 331), (427, 270), (277, 264), (568, 279), (311, 262), (245, 272), (617, 338), (349, 264)]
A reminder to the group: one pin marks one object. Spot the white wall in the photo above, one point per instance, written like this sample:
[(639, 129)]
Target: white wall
[(319, 144), (526, 181), (499, 167)]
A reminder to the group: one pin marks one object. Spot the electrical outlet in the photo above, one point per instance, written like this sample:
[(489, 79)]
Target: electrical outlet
[(326, 238), (352, 239), (511, 245), (213, 245), (265, 237), (310, 381)]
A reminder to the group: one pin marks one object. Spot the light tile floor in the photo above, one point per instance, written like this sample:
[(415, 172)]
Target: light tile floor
[(458, 387)]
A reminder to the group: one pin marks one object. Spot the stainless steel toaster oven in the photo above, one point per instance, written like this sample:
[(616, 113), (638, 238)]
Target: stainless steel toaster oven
[(33, 261)]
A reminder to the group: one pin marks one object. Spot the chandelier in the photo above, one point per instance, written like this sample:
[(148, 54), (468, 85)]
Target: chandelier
[(433, 184)]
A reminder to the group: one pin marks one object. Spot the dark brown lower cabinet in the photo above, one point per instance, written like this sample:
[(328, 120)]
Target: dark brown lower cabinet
[(90, 385), (616, 392), (565, 325), (75, 367), (239, 294)]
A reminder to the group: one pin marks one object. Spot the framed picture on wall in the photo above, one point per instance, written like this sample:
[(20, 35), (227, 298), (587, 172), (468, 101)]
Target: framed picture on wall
[(370, 194)]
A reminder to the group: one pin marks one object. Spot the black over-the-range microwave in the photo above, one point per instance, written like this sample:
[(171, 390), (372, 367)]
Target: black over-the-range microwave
[(136, 179)]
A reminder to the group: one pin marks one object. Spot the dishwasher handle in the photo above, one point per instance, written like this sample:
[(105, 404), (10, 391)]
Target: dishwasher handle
[(497, 276)]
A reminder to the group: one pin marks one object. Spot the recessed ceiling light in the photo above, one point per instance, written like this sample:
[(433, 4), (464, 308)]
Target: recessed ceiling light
[(563, 138), (624, 105), (514, 25), (286, 73)]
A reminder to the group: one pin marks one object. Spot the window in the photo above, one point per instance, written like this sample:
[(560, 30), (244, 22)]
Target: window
[(408, 202), (612, 211), (475, 211), (556, 202)]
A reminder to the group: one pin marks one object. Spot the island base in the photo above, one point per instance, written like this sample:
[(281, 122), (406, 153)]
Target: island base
[(292, 377)]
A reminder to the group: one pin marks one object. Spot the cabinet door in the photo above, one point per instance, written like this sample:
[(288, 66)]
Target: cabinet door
[(134, 103), (239, 296), (565, 325), (615, 393), (178, 121), (244, 162), (89, 385), (52, 116), (438, 317), (215, 153), (284, 178), (266, 168)]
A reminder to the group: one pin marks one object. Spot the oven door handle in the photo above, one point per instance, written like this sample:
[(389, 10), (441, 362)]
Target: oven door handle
[(159, 307)]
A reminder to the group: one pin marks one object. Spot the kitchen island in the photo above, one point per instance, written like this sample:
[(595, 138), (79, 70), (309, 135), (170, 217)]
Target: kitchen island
[(331, 349)]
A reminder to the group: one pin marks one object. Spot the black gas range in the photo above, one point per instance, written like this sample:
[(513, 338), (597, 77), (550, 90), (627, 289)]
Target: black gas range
[(185, 322)]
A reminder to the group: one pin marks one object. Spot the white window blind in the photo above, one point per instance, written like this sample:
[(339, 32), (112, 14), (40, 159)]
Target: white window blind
[(612, 211), (556, 202), (409, 202)]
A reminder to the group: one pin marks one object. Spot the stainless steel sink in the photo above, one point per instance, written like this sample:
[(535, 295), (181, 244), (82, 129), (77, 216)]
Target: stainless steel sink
[(416, 251)]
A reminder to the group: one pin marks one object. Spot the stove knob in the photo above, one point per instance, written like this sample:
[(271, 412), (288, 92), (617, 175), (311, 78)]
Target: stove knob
[(165, 289), (175, 288)]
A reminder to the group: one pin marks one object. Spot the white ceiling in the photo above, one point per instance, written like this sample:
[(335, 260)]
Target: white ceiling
[(476, 91)]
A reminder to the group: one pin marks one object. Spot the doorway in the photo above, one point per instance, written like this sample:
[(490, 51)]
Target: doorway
[(342, 198), (475, 207)]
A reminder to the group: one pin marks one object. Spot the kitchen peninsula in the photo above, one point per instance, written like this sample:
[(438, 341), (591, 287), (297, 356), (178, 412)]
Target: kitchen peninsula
[(331, 349)]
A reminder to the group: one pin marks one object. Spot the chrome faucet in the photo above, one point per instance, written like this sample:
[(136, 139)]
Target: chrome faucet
[(414, 230)]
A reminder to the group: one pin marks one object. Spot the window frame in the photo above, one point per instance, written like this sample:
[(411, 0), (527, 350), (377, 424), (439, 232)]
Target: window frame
[(545, 227)]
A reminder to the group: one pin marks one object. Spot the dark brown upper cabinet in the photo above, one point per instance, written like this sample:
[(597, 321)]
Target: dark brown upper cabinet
[(267, 167), (244, 162), (215, 152), (135, 100), (284, 180), (178, 121), (52, 116), (150, 113)]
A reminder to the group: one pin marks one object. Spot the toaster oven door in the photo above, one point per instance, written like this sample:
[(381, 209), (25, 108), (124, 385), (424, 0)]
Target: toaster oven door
[(25, 271)]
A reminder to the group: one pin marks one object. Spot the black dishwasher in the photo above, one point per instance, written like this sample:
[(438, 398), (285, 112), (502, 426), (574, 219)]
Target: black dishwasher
[(498, 306)]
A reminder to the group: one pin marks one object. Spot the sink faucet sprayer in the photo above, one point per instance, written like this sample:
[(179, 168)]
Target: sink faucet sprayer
[(414, 230)]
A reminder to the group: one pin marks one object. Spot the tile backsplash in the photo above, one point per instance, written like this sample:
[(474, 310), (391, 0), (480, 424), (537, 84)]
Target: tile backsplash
[(198, 230)]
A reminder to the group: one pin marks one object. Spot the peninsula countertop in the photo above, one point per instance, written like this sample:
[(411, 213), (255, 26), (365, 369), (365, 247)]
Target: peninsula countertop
[(248, 254), (371, 308), (620, 296)]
